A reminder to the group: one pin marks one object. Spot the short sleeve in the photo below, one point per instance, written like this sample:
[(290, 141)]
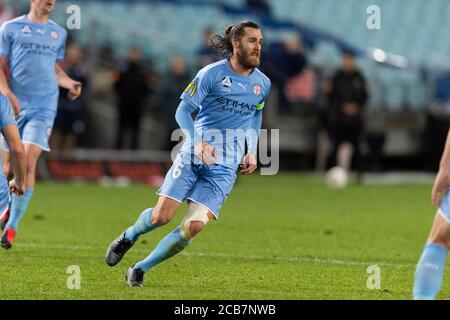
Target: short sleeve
[(5, 41), (199, 88), (62, 47), (6, 112)]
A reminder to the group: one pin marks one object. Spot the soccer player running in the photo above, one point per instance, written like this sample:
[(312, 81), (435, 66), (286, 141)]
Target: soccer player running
[(31, 46), (429, 270), (230, 95)]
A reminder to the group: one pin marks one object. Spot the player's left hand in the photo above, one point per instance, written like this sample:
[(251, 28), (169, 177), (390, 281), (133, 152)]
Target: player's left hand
[(18, 189), (74, 90), (205, 152), (249, 164)]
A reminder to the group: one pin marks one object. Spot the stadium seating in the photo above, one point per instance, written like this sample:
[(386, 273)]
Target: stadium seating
[(161, 33)]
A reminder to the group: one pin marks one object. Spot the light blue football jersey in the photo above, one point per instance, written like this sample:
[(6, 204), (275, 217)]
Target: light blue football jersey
[(32, 50), (227, 102)]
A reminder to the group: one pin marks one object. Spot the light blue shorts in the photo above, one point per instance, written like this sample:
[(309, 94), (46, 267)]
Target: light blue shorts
[(35, 128), (200, 183)]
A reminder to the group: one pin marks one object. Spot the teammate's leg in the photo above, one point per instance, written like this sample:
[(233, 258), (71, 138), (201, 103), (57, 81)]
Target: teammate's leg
[(4, 217), (6, 166), (19, 204), (4, 201), (429, 270), (21, 122), (196, 218), (149, 220)]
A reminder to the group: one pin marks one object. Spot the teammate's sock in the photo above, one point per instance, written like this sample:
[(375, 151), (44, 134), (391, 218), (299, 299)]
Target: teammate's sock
[(172, 244), (19, 205), (142, 225), (429, 270)]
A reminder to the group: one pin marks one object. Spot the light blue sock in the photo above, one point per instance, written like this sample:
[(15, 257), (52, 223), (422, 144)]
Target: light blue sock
[(173, 243), (19, 205), (429, 270), (142, 225)]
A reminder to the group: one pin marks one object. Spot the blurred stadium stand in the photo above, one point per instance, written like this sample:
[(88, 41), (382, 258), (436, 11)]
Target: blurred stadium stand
[(406, 96)]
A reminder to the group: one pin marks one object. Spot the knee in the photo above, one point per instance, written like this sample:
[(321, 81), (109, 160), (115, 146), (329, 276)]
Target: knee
[(161, 216), (190, 229), (195, 220), (195, 227)]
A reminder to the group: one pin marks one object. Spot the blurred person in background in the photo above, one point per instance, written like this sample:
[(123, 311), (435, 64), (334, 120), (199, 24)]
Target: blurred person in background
[(295, 85), (132, 87), (69, 122), (285, 66), (169, 94), (347, 95), (205, 54), (6, 12)]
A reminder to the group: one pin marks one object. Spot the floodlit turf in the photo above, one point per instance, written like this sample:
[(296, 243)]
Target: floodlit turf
[(278, 237)]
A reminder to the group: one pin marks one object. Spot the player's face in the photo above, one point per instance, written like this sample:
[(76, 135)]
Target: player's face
[(248, 50), (44, 6)]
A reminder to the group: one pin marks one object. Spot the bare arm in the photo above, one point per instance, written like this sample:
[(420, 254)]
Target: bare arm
[(442, 181), (17, 158), (68, 83), (4, 87)]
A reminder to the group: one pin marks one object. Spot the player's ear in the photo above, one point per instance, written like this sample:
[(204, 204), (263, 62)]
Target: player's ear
[(235, 42)]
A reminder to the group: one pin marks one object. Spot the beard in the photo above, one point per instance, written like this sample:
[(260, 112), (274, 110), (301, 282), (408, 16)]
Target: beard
[(247, 59)]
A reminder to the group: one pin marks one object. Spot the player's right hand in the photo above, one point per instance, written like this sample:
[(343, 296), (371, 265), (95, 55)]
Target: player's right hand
[(205, 152), (75, 90), (440, 187), (14, 102), (18, 189), (249, 163)]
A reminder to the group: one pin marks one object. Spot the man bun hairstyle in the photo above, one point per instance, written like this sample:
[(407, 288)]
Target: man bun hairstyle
[(221, 43)]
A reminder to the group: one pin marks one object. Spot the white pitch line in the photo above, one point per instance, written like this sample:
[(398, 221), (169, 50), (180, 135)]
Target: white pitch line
[(231, 256), (298, 259)]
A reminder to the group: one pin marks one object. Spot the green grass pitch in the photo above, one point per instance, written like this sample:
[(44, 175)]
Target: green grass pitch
[(278, 237)]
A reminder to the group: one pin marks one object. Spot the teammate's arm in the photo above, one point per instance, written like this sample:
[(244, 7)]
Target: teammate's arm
[(202, 150), (68, 83), (17, 158), (4, 87), (250, 164), (442, 181)]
